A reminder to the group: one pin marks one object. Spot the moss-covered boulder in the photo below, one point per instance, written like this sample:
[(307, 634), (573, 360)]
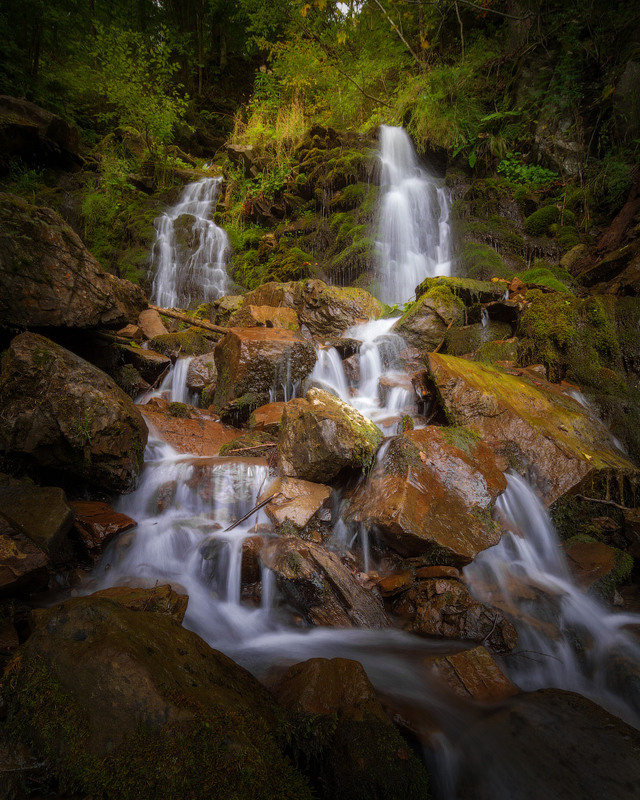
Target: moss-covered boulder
[(114, 700), (342, 735), (469, 338), (319, 586), (61, 412), (191, 342), (252, 361), (320, 435), (48, 278), (470, 291), (425, 323), (531, 425), (432, 494)]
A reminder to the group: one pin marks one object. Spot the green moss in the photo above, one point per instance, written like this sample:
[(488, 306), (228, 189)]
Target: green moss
[(179, 410), (470, 291), (41, 357), (190, 342), (481, 262), (543, 277), (539, 223), (490, 352), (462, 438)]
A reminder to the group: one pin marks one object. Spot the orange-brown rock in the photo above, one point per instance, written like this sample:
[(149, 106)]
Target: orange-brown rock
[(473, 674), (589, 561), (444, 607), (156, 599), (295, 502), (201, 434), (390, 585), (432, 491), (438, 572), (320, 587), (251, 361), (151, 323), (23, 565), (529, 424), (250, 316), (148, 363), (97, 523), (268, 417), (131, 332)]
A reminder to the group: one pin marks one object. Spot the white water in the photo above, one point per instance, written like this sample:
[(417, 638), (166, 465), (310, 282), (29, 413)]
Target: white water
[(174, 385), (190, 253), (414, 238)]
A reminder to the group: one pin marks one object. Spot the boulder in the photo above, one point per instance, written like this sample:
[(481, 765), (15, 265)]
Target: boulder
[(256, 444), (35, 136), (250, 316), (321, 435), (150, 365), (296, 503), (105, 694), (97, 524), (151, 324), (425, 323), (23, 565), (267, 418), (341, 732), (48, 278), (324, 311), (552, 744), (195, 431), (202, 373), (191, 342), (432, 493), (66, 414), (473, 674), (252, 361), (43, 515), (156, 600), (467, 339), (320, 587), (468, 290), (529, 424), (444, 607)]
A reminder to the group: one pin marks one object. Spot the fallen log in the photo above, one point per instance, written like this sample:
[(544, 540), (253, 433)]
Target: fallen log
[(197, 323)]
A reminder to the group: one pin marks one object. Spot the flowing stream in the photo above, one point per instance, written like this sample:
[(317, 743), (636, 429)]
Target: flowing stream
[(185, 506)]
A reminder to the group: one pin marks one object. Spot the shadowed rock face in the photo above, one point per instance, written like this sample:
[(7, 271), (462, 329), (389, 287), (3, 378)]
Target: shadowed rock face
[(48, 278), (528, 423), (433, 491), (64, 413)]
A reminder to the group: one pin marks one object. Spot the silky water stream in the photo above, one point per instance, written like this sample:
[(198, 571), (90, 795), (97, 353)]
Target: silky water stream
[(185, 507)]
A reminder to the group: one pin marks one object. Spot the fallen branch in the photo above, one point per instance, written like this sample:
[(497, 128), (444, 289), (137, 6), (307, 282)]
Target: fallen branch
[(604, 502), (194, 321), (253, 511), (444, 337)]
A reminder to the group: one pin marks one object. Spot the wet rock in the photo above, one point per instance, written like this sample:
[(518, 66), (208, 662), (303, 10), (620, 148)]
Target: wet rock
[(343, 735), (250, 316), (444, 607), (320, 587), (165, 495), (432, 492), (150, 365), (351, 368), (267, 418), (595, 566), (131, 332), (321, 435), (250, 568), (528, 423), (164, 698), (324, 311), (254, 360), (156, 600), (97, 524), (398, 582), (43, 515), (296, 503), (62, 412), (460, 341), (222, 309), (425, 324), (473, 674), (35, 136), (611, 265), (191, 342), (255, 444), (553, 744), (201, 433), (48, 278), (151, 323), (23, 565), (202, 372), (505, 311)]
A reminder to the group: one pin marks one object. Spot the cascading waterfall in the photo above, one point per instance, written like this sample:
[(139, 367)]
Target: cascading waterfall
[(413, 234), (190, 253)]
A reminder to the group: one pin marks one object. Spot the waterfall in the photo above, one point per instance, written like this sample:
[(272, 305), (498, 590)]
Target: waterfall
[(413, 231), (190, 251)]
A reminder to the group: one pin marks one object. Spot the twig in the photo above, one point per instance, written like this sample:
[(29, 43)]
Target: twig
[(444, 337), (253, 447), (253, 511), (605, 502)]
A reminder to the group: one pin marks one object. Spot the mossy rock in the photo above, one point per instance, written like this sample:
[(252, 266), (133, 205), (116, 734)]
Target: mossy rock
[(187, 343), (481, 262), (541, 221), (492, 352), (424, 324), (470, 291), (469, 338), (254, 444)]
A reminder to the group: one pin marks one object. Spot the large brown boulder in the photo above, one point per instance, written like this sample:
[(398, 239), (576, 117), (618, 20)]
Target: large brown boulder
[(324, 311), (187, 429), (529, 425), (112, 697), (340, 730), (319, 586), (64, 413), (296, 504), (48, 278), (35, 135), (251, 361), (321, 435), (433, 491)]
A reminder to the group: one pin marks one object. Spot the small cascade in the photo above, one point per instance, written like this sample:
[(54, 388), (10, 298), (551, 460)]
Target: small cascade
[(174, 385), (190, 253), (414, 233), (567, 639)]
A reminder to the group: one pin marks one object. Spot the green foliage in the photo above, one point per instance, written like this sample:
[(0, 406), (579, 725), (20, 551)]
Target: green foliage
[(515, 170)]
